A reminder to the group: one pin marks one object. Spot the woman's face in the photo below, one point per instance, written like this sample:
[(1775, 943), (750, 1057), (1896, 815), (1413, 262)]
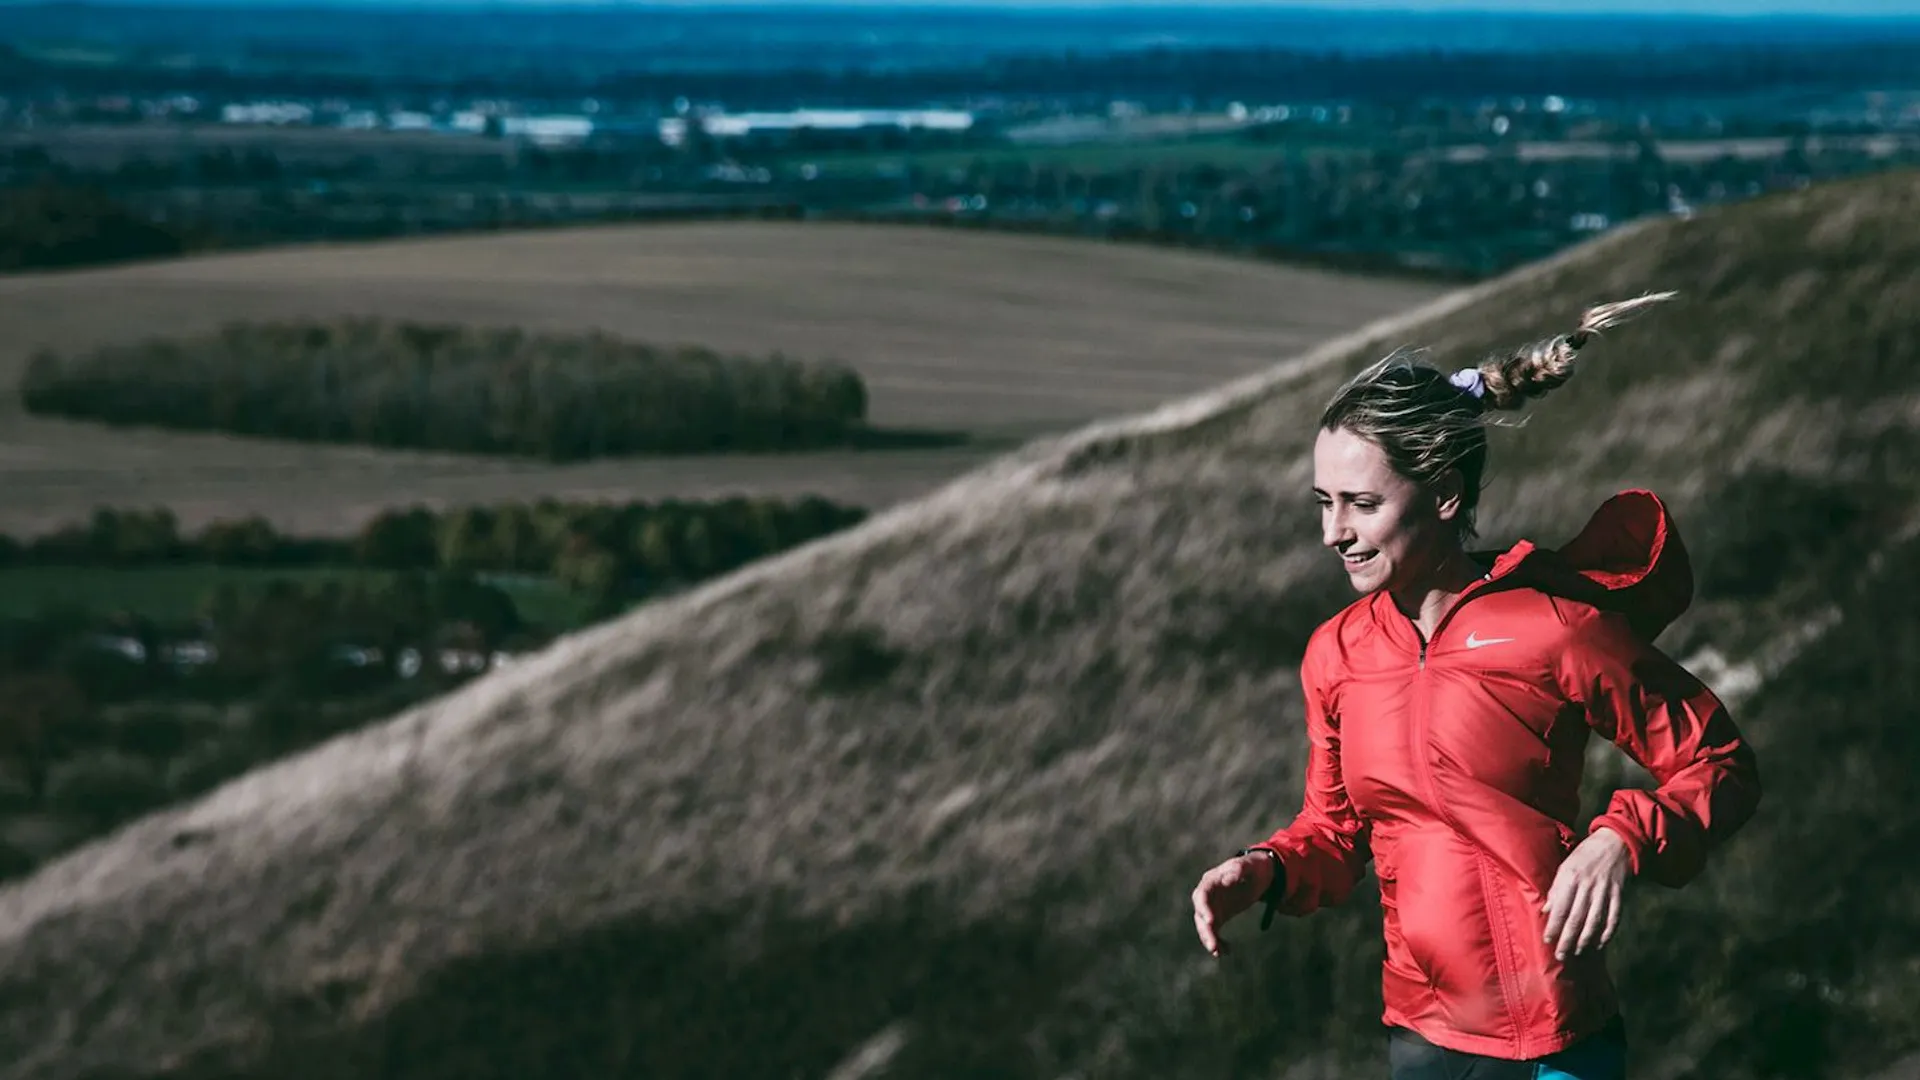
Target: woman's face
[(1390, 532)]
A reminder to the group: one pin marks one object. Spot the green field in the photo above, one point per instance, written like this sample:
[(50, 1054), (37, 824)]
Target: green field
[(170, 593)]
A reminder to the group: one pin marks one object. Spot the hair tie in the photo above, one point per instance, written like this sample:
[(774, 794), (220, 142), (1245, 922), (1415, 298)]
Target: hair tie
[(1470, 381)]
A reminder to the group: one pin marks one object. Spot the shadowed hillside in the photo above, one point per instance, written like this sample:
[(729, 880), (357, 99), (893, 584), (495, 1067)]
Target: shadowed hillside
[(926, 799)]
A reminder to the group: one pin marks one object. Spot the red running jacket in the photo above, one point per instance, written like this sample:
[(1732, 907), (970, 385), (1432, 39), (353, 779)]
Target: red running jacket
[(1455, 764)]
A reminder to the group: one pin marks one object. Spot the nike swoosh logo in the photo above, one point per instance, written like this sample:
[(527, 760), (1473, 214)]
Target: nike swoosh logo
[(1474, 642)]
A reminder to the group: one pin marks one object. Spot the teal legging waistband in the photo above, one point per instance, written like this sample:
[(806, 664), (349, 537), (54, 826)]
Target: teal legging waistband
[(1600, 1056)]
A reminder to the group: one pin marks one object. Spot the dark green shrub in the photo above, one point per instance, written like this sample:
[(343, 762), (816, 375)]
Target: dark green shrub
[(16, 788), (282, 724), (15, 863), (208, 764), (153, 734), (28, 840), (105, 788)]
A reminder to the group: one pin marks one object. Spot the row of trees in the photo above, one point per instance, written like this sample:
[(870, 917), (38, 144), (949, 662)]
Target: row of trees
[(597, 547), (444, 387), (50, 227)]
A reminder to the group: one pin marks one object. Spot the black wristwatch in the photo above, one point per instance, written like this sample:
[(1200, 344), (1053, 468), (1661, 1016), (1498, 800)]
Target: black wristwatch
[(1271, 898)]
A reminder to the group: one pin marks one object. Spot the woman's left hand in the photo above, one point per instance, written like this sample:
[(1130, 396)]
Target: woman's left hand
[(1583, 906)]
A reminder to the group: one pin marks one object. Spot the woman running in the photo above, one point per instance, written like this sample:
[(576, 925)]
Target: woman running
[(1448, 713)]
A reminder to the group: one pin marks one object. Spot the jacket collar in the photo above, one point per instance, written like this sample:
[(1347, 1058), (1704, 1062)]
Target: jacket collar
[(1628, 558)]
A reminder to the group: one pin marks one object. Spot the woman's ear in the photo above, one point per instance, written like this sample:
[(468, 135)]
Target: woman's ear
[(1450, 495)]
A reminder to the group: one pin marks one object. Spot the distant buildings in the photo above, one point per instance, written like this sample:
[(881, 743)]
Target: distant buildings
[(560, 129), (266, 112), (674, 130), (547, 130)]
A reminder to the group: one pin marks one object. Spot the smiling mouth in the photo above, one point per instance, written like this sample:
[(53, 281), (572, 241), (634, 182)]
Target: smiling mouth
[(1358, 560)]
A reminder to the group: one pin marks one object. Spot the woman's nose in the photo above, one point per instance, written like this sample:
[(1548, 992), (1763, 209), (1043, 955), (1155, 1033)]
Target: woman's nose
[(1333, 528)]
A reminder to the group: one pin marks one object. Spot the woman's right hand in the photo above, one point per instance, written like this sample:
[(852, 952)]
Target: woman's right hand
[(1226, 891)]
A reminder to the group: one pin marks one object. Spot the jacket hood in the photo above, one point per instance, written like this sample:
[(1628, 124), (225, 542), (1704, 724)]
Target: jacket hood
[(1627, 558)]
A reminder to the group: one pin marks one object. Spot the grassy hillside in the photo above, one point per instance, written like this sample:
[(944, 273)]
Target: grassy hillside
[(926, 799), (993, 336)]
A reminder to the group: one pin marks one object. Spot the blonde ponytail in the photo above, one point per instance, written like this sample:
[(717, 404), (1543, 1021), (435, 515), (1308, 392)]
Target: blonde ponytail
[(1530, 371)]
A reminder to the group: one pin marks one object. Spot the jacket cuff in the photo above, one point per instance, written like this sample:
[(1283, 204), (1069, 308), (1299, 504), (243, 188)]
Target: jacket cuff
[(1628, 830)]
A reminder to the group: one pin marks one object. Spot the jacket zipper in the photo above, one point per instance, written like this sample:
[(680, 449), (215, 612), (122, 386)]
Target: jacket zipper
[(1422, 733), (1421, 740), (1478, 589), (1422, 737)]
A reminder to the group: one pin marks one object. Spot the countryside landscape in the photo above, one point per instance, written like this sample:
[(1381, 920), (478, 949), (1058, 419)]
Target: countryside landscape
[(497, 588)]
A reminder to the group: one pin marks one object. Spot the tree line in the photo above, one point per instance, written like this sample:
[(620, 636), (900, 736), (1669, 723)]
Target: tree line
[(563, 397), (52, 227), (597, 547), (601, 549)]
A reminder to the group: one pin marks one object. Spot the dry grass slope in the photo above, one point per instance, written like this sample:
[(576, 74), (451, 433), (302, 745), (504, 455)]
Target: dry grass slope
[(1002, 337), (925, 799)]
